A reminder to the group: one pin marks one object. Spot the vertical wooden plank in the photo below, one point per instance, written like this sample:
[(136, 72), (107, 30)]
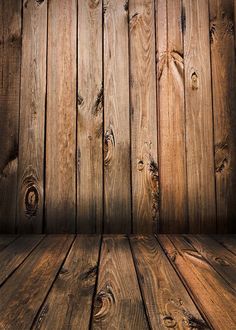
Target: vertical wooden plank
[(10, 55), (143, 116), (224, 105), (32, 114), (90, 118), (199, 123), (61, 117), (117, 184), (172, 154)]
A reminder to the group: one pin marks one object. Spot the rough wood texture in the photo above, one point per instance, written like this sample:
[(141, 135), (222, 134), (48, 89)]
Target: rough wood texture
[(10, 56), (61, 117), (145, 178), (118, 302), (199, 125), (117, 184), (212, 294), (170, 76), (24, 292), (69, 303), (228, 241), (167, 302), (90, 118), (5, 240), (224, 103), (32, 118)]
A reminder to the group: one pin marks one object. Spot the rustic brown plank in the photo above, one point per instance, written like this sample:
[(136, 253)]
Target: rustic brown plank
[(61, 117), (167, 301), (5, 240), (211, 292), (10, 57), (24, 292), (118, 302), (90, 118), (69, 302), (32, 114), (117, 186), (228, 241), (224, 104), (199, 125), (222, 260), (15, 253), (172, 155), (145, 188)]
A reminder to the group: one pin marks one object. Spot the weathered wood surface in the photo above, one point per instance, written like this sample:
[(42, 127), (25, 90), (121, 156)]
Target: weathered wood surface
[(224, 103), (5, 240), (117, 177), (228, 241), (90, 118), (145, 178), (32, 118), (10, 58), (170, 78), (61, 117)]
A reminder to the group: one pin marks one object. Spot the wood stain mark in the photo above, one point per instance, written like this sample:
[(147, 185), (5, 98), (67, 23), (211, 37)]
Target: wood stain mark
[(193, 322), (126, 5)]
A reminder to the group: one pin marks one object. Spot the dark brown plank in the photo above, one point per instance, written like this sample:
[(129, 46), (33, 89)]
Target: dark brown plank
[(168, 303), (118, 302), (15, 253), (5, 240), (69, 302), (224, 105), (32, 115), (228, 241), (213, 295), (10, 57), (24, 292), (222, 260)]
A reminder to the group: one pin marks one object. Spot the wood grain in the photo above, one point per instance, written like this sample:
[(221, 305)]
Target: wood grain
[(199, 125), (224, 103), (118, 302), (145, 178), (61, 117), (69, 302), (32, 118), (228, 241), (10, 59), (90, 118), (5, 240), (25, 291), (117, 182), (167, 301), (170, 77), (211, 292)]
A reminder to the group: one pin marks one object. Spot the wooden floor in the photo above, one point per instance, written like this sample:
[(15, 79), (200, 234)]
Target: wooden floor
[(117, 282)]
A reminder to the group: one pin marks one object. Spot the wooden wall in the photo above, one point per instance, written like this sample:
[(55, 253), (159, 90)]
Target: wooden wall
[(117, 116)]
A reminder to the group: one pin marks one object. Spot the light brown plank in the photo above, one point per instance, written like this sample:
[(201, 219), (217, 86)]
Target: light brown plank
[(118, 302), (199, 125), (24, 292), (117, 185), (212, 294), (10, 57), (228, 241), (32, 115), (145, 185), (5, 240), (15, 253), (61, 117), (69, 302), (224, 105), (172, 155), (90, 118), (167, 301)]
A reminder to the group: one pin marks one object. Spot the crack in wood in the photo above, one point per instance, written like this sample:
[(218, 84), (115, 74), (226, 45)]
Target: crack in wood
[(42, 315)]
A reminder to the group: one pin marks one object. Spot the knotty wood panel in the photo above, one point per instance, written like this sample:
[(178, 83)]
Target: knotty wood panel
[(10, 55), (90, 117), (32, 114), (224, 102), (117, 184), (61, 117), (145, 189), (170, 76), (199, 124)]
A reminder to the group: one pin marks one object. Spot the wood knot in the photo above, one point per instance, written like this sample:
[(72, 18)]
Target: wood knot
[(31, 201), (98, 105), (93, 3), (104, 300), (89, 274), (221, 157), (222, 261), (169, 321), (194, 80), (109, 144), (140, 165), (80, 100), (126, 5)]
